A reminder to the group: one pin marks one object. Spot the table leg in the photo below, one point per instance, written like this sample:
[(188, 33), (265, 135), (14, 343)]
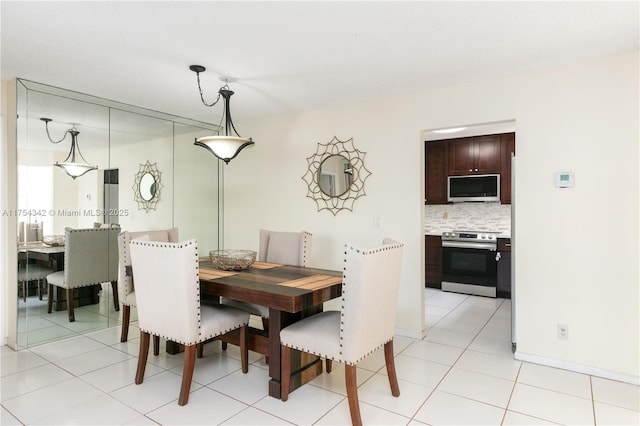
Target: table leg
[(304, 367)]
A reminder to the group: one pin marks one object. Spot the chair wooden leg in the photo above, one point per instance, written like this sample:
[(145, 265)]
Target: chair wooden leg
[(126, 317), (187, 373), (329, 364), (156, 345), (285, 372), (352, 394), (391, 368), (39, 289), (200, 350), (143, 353), (116, 300), (244, 348), (50, 298), (224, 345), (70, 294)]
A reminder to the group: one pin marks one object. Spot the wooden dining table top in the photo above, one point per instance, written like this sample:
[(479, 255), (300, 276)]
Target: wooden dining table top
[(276, 286)]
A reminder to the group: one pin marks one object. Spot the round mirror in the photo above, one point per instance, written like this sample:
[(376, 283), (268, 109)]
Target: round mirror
[(147, 187), (335, 175)]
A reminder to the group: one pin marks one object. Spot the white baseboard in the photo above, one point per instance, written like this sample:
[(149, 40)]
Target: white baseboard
[(578, 368)]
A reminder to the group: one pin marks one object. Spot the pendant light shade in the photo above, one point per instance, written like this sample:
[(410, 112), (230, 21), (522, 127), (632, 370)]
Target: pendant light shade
[(74, 165), (225, 147)]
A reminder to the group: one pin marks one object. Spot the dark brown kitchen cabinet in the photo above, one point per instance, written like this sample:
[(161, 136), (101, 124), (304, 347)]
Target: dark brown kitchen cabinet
[(474, 155), (507, 147), (504, 268), (433, 261), (436, 161)]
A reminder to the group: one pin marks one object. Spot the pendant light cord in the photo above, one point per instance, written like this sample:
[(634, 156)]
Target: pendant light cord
[(46, 124)]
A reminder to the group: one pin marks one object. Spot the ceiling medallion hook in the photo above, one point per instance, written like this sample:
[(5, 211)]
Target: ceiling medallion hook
[(225, 147)]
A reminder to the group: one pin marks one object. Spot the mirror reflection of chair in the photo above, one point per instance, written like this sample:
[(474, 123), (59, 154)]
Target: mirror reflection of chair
[(126, 286), (29, 232), (90, 258), (365, 322), (32, 272), (287, 248), (167, 283)]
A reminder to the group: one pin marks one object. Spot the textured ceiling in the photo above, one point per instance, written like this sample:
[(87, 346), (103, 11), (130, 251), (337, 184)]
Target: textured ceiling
[(296, 56)]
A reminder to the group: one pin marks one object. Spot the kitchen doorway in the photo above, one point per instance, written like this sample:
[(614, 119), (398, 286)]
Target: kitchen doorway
[(466, 219)]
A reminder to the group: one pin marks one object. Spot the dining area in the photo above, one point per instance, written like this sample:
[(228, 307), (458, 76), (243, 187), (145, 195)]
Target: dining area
[(228, 284), (162, 279), (229, 287)]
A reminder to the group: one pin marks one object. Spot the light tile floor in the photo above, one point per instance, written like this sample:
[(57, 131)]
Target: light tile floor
[(463, 372)]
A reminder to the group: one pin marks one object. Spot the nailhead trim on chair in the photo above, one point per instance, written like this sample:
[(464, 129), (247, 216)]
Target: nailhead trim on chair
[(306, 236)]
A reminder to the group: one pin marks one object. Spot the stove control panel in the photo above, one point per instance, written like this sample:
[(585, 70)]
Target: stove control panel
[(469, 236)]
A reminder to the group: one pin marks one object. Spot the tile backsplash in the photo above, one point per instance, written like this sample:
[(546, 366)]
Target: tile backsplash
[(493, 217)]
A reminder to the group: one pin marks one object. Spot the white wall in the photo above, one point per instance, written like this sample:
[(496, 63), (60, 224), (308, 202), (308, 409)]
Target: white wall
[(576, 250)]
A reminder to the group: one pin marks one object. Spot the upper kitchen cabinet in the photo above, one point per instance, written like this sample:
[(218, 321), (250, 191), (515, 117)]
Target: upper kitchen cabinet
[(474, 155), (477, 155), (436, 164), (507, 148)]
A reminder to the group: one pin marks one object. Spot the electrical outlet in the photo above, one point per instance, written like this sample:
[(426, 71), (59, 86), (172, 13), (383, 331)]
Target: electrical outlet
[(563, 332)]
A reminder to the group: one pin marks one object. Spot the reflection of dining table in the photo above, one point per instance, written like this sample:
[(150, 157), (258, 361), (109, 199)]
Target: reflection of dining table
[(291, 293), (54, 256)]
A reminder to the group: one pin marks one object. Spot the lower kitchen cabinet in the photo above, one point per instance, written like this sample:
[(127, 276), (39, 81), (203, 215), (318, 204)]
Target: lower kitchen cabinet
[(433, 261), (504, 268)]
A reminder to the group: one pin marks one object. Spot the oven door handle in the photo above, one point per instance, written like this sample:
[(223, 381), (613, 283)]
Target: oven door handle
[(469, 245)]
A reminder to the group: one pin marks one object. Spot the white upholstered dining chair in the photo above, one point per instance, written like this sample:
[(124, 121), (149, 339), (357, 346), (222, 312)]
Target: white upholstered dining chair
[(366, 321), (126, 286), (90, 258), (167, 283), (287, 248)]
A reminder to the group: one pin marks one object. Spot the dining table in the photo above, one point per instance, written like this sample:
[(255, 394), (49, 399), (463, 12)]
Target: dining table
[(291, 293)]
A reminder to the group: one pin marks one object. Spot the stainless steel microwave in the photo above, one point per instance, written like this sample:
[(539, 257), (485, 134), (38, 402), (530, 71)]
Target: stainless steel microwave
[(473, 188)]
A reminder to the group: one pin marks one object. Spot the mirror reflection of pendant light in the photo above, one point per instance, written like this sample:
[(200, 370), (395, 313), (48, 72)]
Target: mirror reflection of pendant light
[(74, 165), (226, 147)]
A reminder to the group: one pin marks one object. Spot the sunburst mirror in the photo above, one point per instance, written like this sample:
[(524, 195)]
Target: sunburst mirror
[(146, 188), (335, 175)]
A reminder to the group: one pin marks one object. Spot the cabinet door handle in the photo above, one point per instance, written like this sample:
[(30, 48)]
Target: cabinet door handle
[(498, 257)]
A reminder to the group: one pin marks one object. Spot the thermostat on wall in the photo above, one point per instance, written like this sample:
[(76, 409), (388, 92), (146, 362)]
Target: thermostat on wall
[(565, 179)]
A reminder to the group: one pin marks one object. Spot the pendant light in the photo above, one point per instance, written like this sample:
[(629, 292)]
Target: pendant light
[(226, 147), (74, 165)]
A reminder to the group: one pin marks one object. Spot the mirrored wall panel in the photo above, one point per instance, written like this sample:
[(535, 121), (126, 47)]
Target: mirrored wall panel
[(144, 173)]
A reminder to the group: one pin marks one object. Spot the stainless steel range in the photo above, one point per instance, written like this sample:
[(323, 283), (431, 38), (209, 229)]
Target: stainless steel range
[(469, 263)]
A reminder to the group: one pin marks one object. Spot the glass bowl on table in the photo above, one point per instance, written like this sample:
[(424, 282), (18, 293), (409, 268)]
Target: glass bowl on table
[(53, 240), (232, 260)]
